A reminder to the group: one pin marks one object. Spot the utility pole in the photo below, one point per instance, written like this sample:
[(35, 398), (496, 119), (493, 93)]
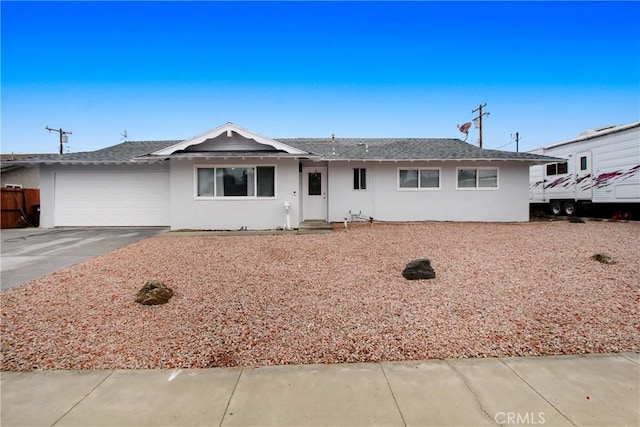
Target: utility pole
[(478, 120), (63, 136), (517, 138)]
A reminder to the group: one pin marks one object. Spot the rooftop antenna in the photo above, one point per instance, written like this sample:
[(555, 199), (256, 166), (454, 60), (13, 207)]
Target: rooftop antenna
[(124, 136), (478, 121), (63, 136)]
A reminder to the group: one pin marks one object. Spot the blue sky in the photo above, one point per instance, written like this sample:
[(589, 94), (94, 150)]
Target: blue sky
[(172, 70)]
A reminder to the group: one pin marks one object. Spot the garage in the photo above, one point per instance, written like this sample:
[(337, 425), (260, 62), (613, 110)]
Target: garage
[(111, 198)]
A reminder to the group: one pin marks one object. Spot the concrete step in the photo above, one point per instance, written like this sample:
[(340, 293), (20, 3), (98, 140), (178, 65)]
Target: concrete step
[(314, 227)]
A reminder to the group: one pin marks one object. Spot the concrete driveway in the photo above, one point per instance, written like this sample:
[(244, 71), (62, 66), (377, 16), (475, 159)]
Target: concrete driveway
[(29, 253)]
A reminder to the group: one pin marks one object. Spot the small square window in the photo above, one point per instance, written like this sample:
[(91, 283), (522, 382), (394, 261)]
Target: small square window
[(583, 163), (359, 179)]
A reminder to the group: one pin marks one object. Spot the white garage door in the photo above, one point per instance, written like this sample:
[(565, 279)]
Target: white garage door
[(111, 199)]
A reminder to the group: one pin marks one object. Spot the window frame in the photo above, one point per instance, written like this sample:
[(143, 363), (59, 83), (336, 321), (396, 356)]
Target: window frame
[(358, 172), (584, 163), (215, 168), (419, 187), (556, 168), (477, 169)]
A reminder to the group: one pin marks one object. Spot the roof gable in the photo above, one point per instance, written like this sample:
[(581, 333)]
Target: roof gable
[(228, 137)]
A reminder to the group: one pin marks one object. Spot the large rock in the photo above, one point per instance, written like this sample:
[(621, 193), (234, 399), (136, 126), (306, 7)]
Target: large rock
[(154, 292), (603, 258), (419, 269)]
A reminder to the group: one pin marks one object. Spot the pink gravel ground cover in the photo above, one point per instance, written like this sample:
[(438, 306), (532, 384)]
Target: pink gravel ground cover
[(500, 290)]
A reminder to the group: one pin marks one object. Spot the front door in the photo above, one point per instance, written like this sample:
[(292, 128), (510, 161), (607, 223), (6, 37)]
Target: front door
[(314, 193), (584, 180)]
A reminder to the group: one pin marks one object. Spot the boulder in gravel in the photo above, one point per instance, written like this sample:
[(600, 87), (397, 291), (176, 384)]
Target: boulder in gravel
[(419, 269), (603, 258), (154, 292)]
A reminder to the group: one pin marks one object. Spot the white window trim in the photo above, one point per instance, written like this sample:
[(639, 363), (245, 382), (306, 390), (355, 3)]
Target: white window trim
[(235, 198), (418, 188), (366, 180), (476, 188)]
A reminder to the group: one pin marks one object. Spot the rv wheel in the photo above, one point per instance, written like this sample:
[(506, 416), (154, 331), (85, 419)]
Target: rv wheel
[(556, 208), (570, 208), (623, 214)]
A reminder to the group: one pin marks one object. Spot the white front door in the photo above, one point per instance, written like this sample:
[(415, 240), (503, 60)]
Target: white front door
[(314, 193), (584, 180)]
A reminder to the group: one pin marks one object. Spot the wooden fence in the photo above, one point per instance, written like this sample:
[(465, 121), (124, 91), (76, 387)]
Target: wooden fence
[(20, 207)]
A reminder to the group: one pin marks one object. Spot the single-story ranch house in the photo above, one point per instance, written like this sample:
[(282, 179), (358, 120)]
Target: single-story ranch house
[(231, 178)]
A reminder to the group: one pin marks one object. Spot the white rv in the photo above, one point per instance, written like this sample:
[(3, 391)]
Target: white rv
[(601, 173)]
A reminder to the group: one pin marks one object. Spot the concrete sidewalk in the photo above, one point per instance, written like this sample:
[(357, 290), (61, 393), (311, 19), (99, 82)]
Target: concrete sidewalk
[(594, 390)]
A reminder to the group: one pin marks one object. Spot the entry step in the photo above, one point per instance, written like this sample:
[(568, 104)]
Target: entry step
[(314, 226)]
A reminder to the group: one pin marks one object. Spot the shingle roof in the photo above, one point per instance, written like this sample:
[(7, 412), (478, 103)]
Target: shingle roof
[(13, 156), (379, 149), (403, 149), (120, 153)]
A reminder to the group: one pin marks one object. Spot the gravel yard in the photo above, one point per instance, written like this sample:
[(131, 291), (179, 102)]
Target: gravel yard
[(500, 290)]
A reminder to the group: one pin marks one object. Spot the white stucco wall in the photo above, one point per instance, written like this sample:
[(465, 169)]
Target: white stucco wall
[(385, 202), (190, 212), (381, 200)]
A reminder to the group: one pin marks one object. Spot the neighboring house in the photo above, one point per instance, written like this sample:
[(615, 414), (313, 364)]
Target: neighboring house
[(231, 178), (18, 176), (19, 206)]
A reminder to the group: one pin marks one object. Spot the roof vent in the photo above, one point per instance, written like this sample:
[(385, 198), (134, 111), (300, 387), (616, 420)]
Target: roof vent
[(605, 128), (592, 131)]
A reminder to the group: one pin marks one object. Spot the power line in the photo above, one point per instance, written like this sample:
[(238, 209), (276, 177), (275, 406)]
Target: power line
[(516, 139), (502, 146)]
